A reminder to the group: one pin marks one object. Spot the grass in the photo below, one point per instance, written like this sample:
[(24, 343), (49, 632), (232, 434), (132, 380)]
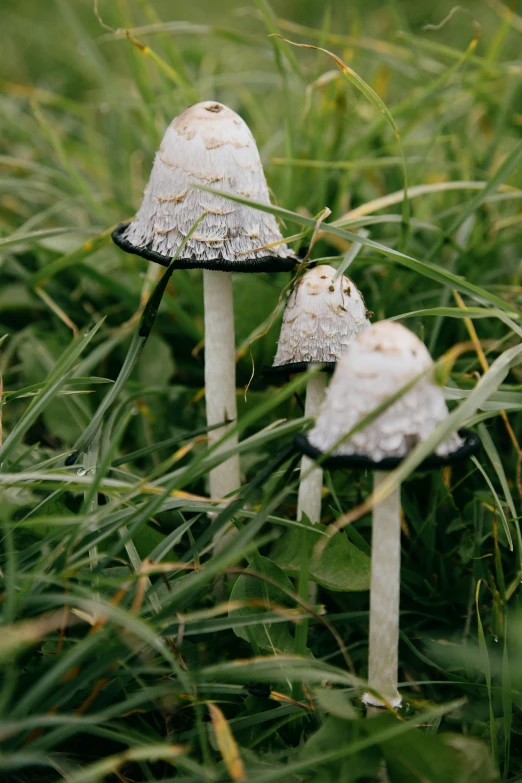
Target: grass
[(131, 650)]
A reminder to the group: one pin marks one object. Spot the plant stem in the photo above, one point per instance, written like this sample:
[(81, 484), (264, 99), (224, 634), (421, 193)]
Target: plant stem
[(301, 630), (309, 503), (310, 488), (384, 598), (220, 375)]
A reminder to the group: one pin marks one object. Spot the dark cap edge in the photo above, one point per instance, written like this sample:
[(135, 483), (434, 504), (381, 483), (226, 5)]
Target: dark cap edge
[(294, 367), (264, 264), (470, 446)]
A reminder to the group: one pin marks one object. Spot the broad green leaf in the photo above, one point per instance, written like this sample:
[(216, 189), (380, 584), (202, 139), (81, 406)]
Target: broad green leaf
[(336, 732), (335, 702), (437, 758), (341, 566), (156, 363), (273, 638), (338, 566)]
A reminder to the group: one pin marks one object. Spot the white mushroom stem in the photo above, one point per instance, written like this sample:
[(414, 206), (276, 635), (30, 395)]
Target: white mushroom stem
[(384, 598), (311, 484), (309, 503), (220, 376)]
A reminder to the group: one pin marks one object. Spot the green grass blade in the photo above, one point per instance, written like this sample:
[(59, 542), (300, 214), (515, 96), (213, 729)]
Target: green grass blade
[(56, 380), (486, 669), (497, 501), (421, 267)]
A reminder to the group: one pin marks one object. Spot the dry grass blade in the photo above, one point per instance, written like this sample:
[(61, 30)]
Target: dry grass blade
[(226, 743)]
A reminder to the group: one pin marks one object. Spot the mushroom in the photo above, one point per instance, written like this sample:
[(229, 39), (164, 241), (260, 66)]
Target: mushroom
[(324, 313), (380, 362), (209, 144)]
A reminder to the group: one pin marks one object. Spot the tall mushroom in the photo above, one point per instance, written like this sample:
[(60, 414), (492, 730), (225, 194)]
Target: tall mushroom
[(322, 317), (380, 362), (209, 144)]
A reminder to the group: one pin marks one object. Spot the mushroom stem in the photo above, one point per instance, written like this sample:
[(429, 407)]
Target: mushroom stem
[(309, 503), (220, 376), (384, 599), (311, 483)]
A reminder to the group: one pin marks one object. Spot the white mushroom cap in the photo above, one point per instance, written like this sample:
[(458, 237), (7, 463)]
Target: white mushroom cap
[(321, 318), (207, 144), (378, 363)]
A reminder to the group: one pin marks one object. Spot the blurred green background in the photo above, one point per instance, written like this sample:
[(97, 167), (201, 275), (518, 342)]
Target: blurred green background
[(39, 41)]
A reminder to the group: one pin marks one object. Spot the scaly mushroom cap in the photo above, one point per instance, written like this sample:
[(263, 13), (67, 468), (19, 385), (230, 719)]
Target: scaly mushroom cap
[(378, 363), (321, 318), (207, 144)]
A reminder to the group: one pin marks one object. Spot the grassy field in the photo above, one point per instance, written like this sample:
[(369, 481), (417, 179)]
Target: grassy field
[(129, 650)]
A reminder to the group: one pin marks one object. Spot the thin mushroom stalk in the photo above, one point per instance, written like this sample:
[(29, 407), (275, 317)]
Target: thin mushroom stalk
[(383, 659), (383, 360), (311, 480), (220, 376), (309, 504)]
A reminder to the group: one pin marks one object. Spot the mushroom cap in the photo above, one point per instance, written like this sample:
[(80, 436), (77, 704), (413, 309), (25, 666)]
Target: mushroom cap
[(321, 318), (207, 144), (379, 362)]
